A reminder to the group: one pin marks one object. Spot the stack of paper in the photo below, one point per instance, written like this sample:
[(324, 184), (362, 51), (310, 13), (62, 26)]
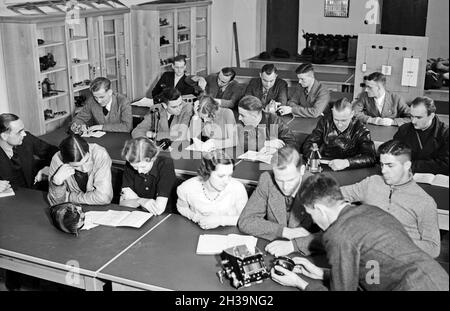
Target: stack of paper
[(96, 134), (435, 180), (122, 218), (211, 244)]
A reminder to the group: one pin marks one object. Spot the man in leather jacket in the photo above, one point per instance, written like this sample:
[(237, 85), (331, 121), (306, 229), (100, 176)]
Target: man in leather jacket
[(342, 139)]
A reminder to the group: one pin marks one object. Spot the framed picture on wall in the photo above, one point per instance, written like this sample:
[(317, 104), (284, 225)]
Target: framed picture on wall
[(337, 8)]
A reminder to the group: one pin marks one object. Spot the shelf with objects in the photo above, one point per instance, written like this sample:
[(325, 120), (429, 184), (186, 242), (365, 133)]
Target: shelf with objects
[(161, 31), (50, 68)]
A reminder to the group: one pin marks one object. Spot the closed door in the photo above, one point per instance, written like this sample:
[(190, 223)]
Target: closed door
[(408, 18)]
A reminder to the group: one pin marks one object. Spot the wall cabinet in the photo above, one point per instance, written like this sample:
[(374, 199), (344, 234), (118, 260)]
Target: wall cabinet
[(162, 31), (49, 63)]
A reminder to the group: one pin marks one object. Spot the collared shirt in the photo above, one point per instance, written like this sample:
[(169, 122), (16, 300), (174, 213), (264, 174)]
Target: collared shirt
[(7, 148), (158, 182), (380, 102)]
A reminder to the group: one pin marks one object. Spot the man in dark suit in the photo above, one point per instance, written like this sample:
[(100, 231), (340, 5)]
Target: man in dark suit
[(18, 153), (170, 79)]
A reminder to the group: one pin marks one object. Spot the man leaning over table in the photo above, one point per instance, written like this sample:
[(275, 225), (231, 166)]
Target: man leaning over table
[(396, 192), (275, 212), (378, 106), (109, 111)]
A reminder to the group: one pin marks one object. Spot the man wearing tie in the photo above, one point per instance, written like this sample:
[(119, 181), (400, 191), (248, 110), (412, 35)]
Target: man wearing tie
[(107, 111), (310, 98)]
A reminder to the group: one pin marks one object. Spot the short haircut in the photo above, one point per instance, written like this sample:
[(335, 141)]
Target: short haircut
[(210, 160), (269, 69), (250, 103), (5, 120), (228, 71), (180, 58), (285, 156), (73, 148), (304, 68), (207, 105), (342, 104), (376, 77), (320, 188), (427, 102), (100, 83), (139, 149), (395, 148), (169, 94)]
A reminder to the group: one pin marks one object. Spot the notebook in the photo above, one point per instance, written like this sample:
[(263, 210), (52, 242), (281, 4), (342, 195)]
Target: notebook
[(113, 218), (435, 180), (211, 244)]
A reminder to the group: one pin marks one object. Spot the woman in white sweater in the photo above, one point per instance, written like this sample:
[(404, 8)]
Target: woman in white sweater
[(214, 198)]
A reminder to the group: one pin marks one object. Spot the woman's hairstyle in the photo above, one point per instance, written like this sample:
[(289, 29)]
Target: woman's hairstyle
[(208, 106), (5, 120), (73, 148), (210, 160), (139, 149), (67, 217)]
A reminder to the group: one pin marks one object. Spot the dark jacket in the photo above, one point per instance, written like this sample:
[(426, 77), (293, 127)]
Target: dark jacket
[(353, 144), (433, 157), (167, 80), (270, 127), (278, 92), (33, 154), (230, 97)]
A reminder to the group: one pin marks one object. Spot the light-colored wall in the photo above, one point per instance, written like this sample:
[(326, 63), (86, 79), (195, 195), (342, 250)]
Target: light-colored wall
[(438, 28), (312, 19)]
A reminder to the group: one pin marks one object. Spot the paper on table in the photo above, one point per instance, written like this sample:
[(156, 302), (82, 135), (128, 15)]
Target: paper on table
[(96, 134), (211, 244), (123, 218), (256, 156), (7, 193), (90, 218), (200, 147), (144, 102)]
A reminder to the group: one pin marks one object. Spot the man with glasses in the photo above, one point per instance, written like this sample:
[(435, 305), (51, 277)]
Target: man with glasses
[(222, 87), (427, 137), (342, 139), (378, 106), (169, 119), (269, 88), (104, 110), (172, 79)]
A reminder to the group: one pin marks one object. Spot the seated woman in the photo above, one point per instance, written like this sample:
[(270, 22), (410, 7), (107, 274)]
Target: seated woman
[(80, 173), (148, 178), (213, 124), (213, 198)]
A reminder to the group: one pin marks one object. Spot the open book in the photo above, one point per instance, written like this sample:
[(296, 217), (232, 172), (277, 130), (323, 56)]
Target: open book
[(133, 219), (435, 180), (211, 244), (7, 193), (264, 155), (96, 134), (144, 102)]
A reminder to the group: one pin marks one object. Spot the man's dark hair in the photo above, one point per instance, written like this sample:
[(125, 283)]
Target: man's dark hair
[(5, 120), (427, 102), (395, 148), (269, 69), (320, 188), (376, 77), (304, 68), (169, 94), (100, 83), (180, 58), (73, 148), (250, 103), (228, 71)]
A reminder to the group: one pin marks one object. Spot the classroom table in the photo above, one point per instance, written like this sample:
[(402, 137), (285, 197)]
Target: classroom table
[(31, 245), (167, 260)]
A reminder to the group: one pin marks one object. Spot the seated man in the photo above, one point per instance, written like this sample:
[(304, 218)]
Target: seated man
[(342, 138), (24, 158), (109, 112), (172, 79), (261, 128), (427, 137), (274, 211), (269, 88), (310, 99), (366, 247), (397, 193), (378, 106), (169, 119), (222, 87)]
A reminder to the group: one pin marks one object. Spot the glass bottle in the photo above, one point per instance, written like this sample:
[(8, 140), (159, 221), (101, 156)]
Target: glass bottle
[(314, 160)]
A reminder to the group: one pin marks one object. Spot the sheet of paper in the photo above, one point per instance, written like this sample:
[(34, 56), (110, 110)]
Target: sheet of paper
[(8, 193), (211, 244), (135, 219), (90, 219), (323, 161), (441, 180), (423, 178), (410, 72), (256, 156), (96, 134), (237, 239), (144, 102), (112, 218)]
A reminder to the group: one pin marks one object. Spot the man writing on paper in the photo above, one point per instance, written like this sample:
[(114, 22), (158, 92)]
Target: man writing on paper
[(275, 212), (110, 112), (427, 137)]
